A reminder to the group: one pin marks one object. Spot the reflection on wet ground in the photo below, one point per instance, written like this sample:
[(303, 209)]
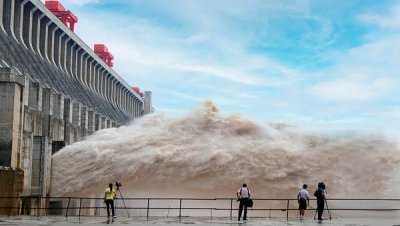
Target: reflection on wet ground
[(60, 221)]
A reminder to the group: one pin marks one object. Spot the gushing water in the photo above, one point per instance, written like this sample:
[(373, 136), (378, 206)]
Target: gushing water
[(204, 154)]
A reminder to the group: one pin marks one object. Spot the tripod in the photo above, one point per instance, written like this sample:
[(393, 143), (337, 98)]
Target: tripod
[(123, 201), (329, 212), (327, 208)]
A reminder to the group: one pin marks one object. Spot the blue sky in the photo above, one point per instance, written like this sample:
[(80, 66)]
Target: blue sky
[(325, 65)]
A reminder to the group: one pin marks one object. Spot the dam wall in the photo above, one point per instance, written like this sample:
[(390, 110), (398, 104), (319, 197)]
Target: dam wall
[(54, 91)]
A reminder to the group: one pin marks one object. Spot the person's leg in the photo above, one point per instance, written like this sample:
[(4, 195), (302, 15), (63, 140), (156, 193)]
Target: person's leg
[(112, 208), (108, 208), (320, 207), (245, 209), (240, 209)]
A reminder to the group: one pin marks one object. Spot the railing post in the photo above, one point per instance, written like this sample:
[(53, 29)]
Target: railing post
[(66, 213), (80, 205), (231, 208), (180, 207), (287, 210), (148, 208)]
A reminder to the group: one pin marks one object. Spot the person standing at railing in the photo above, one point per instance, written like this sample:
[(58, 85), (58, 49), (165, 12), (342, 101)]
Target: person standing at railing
[(320, 194), (243, 195), (109, 196), (303, 198)]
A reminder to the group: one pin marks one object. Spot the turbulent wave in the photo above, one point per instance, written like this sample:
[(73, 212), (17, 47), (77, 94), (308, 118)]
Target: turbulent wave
[(205, 154)]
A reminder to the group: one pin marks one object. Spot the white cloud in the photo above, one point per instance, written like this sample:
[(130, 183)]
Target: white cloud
[(352, 89), (363, 73), (156, 50), (388, 20)]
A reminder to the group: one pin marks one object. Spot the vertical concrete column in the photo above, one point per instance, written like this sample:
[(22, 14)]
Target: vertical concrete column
[(57, 122), (68, 111), (1, 15), (103, 122), (78, 64), (76, 121), (39, 39), (129, 109), (86, 76), (41, 164), (60, 51), (47, 112), (58, 106), (125, 93), (71, 60), (21, 22), (113, 124), (138, 108), (32, 28), (91, 121), (65, 57), (108, 86), (11, 94), (76, 114), (47, 134), (147, 102), (119, 96), (108, 123), (48, 40), (35, 96), (84, 121), (53, 48), (101, 82), (12, 19), (92, 75), (97, 122)]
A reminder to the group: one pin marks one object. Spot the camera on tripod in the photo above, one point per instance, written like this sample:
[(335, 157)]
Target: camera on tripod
[(118, 184)]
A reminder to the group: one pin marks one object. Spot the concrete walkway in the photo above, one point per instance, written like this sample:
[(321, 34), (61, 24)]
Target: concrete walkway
[(61, 221)]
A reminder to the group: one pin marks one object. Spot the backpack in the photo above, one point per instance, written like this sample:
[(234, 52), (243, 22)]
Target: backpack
[(250, 203)]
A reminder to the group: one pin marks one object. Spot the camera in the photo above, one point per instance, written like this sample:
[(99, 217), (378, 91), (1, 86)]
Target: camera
[(118, 184)]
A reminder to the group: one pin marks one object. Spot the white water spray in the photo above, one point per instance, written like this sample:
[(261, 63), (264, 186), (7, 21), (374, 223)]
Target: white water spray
[(205, 154)]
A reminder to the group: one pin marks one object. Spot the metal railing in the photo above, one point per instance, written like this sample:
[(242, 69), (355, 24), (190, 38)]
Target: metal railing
[(183, 207)]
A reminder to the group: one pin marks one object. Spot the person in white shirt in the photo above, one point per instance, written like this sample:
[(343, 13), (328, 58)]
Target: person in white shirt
[(303, 198), (243, 195)]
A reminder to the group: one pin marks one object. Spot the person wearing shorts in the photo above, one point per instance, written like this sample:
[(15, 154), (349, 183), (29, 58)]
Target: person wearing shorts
[(303, 198)]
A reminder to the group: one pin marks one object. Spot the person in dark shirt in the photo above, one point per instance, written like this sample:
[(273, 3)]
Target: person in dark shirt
[(320, 195)]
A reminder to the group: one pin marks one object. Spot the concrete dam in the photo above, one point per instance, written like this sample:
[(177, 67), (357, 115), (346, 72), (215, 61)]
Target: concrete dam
[(54, 91)]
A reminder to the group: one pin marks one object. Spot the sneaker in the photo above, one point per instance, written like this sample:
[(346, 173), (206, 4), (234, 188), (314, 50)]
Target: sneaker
[(115, 216)]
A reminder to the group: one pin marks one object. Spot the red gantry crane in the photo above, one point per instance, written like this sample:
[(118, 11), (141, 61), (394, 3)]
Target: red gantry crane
[(66, 16), (102, 51)]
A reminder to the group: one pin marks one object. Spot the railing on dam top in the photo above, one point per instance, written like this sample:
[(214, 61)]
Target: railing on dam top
[(188, 207)]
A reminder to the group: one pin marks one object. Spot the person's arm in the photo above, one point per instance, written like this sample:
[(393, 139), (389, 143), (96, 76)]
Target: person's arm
[(238, 193), (248, 190)]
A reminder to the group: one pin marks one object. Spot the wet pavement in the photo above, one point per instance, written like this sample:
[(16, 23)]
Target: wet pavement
[(61, 221)]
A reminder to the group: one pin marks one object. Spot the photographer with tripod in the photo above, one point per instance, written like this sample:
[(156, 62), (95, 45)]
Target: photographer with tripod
[(109, 196), (320, 194)]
